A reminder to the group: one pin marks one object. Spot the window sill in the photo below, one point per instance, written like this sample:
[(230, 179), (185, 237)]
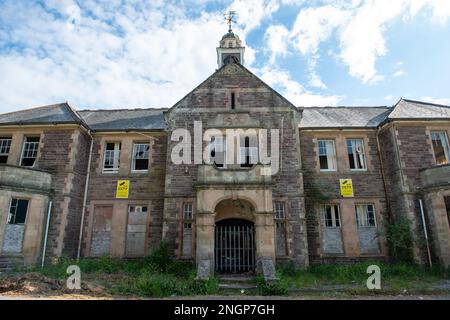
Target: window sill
[(137, 172), (327, 171), (358, 170)]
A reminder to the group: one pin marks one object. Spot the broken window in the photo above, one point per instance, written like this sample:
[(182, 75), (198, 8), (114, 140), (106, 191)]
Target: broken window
[(18, 211), (217, 151), (365, 215), (440, 147), (140, 156), (447, 206), (280, 228), (248, 151), (187, 229), (112, 157), (327, 155), (29, 151), (356, 156), (330, 216), (5, 145)]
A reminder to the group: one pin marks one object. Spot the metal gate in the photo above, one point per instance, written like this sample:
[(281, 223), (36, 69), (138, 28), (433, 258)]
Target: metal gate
[(234, 246)]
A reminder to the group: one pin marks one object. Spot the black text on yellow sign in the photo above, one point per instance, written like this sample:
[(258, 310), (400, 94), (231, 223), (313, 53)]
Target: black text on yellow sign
[(346, 188), (123, 188)]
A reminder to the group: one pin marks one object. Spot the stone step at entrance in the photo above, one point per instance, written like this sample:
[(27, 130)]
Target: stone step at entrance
[(237, 281), (8, 263)]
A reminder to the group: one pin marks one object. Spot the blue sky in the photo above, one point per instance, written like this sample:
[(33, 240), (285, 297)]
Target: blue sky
[(127, 54)]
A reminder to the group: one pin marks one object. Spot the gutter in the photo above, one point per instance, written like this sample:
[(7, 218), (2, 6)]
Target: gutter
[(383, 176), (86, 186), (46, 232)]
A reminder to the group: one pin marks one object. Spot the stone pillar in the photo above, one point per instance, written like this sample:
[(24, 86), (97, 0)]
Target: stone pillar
[(204, 244), (265, 244), (350, 235)]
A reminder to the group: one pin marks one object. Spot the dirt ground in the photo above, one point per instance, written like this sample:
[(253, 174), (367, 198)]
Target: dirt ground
[(32, 286)]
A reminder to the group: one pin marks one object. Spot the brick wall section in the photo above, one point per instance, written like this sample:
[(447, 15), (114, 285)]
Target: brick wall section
[(68, 178), (366, 184), (148, 186), (264, 105)]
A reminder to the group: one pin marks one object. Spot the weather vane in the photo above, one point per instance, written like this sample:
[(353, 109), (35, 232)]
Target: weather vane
[(230, 17)]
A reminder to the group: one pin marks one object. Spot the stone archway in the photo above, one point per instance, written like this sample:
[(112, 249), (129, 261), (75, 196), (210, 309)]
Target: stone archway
[(254, 205)]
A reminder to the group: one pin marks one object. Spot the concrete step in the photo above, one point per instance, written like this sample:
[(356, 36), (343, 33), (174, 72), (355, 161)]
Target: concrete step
[(237, 281), (8, 263)]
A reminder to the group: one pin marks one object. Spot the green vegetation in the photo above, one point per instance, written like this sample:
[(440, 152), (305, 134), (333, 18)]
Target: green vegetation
[(400, 240), (157, 275), (394, 277)]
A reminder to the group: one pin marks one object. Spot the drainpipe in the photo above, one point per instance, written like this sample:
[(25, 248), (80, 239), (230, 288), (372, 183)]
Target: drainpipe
[(46, 232), (86, 185), (383, 176), (425, 233)]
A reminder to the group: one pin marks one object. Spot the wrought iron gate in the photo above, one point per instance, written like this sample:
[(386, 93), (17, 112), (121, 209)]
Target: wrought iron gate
[(234, 247)]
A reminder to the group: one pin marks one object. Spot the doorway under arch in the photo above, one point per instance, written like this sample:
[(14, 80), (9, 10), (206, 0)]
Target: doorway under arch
[(234, 246)]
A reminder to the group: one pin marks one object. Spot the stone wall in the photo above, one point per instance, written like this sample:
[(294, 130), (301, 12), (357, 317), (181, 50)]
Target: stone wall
[(146, 189), (323, 188)]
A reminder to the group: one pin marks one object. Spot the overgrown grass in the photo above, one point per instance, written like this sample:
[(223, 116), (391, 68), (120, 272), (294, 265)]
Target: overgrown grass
[(157, 275), (393, 276)]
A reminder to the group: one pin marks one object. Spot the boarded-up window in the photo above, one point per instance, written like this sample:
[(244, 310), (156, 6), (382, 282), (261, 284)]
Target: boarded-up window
[(101, 231), (280, 228), (188, 216), (331, 229), (367, 231), (136, 231)]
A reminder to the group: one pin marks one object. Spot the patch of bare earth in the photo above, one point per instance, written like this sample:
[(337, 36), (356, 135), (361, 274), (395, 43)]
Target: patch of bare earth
[(36, 285)]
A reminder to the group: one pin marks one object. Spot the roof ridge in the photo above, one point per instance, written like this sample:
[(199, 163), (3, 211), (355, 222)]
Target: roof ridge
[(34, 108), (124, 109), (346, 107), (427, 103)]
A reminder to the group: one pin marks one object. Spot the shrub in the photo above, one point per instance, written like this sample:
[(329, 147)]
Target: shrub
[(273, 288), (400, 241)]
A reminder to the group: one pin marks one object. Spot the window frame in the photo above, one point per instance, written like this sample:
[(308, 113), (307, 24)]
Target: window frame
[(335, 211), (249, 152), (280, 221), (133, 158), (355, 154), (6, 146), (367, 219), (327, 155), (137, 206), (213, 143), (26, 143), (446, 148), (116, 151), (9, 217)]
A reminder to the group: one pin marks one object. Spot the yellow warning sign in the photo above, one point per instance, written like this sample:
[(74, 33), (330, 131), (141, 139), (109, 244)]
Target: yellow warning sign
[(346, 188), (123, 186)]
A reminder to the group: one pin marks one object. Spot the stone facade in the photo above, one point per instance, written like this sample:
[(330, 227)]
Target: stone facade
[(285, 214)]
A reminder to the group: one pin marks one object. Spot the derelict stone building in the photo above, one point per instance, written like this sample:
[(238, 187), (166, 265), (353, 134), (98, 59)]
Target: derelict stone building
[(107, 182)]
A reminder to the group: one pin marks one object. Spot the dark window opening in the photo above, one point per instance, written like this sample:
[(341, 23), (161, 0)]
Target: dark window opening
[(18, 211), (5, 145), (29, 152), (246, 163), (140, 156), (233, 101)]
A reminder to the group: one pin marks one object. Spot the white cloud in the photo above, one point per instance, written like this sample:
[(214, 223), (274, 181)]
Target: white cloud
[(398, 73), (444, 101), (276, 37), (294, 91)]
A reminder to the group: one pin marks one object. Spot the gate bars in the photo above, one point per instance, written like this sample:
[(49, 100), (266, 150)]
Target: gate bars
[(234, 249)]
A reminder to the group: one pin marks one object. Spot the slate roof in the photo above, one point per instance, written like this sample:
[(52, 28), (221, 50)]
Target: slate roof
[(55, 113), (124, 119), (410, 109), (343, 117)]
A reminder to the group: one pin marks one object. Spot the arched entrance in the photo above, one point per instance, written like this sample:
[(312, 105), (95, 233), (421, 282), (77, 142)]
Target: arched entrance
[(234, 236), (234, 246)]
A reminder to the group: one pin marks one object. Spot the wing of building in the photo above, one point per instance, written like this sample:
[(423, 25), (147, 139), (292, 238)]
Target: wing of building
[(233, 177)]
